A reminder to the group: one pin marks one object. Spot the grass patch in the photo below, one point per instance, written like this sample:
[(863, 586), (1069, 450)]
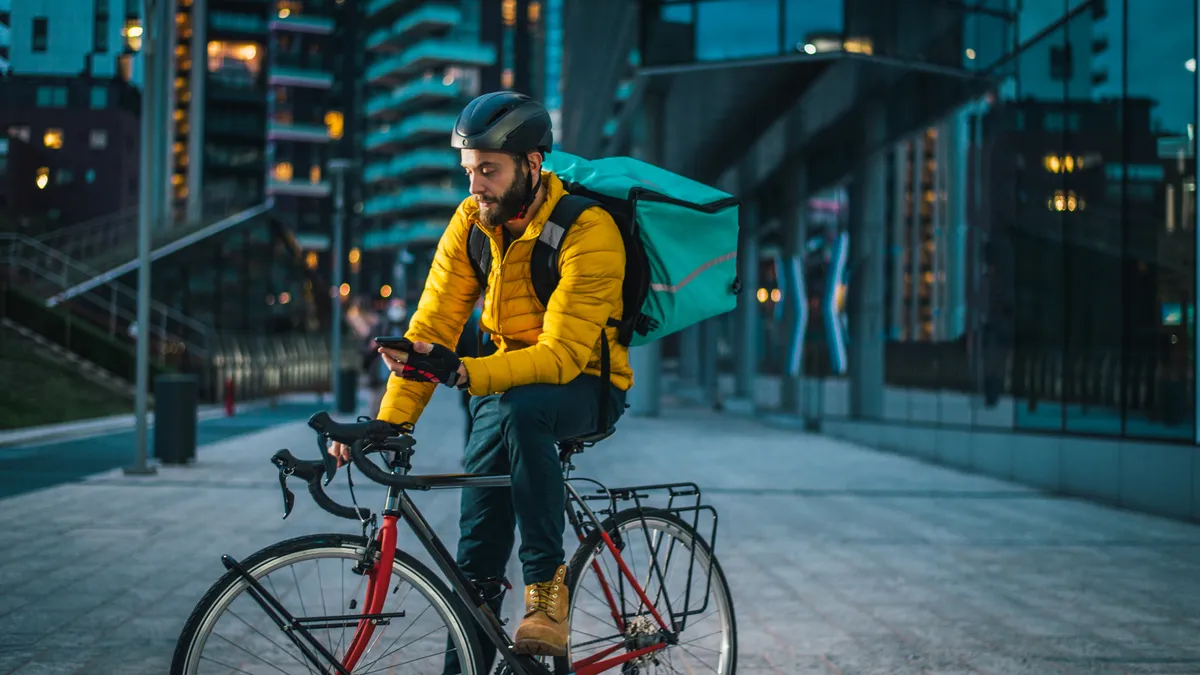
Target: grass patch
[(40, 391)]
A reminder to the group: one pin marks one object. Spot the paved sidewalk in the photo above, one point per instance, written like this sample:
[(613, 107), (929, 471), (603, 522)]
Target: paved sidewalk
[(842, 560)]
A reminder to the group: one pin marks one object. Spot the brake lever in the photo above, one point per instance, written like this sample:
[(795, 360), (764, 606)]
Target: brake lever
[(289, 499), (329, 460)]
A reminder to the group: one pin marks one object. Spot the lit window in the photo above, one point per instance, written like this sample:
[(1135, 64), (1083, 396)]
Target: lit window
[(234, 64), (310, 260), (133, 34), (19, 133), (535, 11), (334, 121), (859, 46), (178, 147), (177, 179), (385, 291), (1052, 163), (314, 173), (53, 139), (98, 139), (508, 12), (43, 177), (283, 171), (506, 78)]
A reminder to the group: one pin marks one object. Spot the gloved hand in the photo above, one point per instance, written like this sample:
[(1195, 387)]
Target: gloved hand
[(427, 362)]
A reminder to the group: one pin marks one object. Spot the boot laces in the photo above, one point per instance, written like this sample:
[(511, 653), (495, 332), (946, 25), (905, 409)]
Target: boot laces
[(543, 597)]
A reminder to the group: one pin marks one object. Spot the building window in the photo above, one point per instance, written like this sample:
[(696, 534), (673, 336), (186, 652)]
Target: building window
[(535, 11), (314, 174), (41, 33), (98, 140), (53, 139), (133, 34), (506, 78), (1060, 63), (335, 123), (508, 11), (52, 97), (125, 67), (64, 176), (283, 171), (234, 64), (19, 132), (99, 98), (90, 176), (43, 178), (100, 34)]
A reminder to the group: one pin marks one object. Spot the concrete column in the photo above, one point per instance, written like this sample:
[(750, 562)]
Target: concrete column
[(900, 169), (646, 360), (164, 74), (689, 361), (195, 149), (794, 225), (746, 321), (866, 282)]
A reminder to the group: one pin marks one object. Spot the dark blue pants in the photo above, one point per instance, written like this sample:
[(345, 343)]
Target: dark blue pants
[(515, 433)]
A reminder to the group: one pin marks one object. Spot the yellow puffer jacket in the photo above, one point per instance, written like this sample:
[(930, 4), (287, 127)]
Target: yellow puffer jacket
[(536, 344)]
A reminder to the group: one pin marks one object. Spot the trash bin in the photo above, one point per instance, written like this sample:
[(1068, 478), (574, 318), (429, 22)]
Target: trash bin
[(347, 393), (176, 400)]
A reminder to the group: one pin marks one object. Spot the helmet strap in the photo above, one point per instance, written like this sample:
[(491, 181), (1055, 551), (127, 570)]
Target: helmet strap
[(531, 191)]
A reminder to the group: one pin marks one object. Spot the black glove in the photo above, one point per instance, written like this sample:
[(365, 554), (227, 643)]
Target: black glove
[(440, 365)]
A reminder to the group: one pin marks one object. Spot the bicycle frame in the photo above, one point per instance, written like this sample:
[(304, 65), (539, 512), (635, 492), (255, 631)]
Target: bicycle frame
[(399, 504)]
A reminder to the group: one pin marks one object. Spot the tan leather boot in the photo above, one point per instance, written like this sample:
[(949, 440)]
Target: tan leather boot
[(544, 630)]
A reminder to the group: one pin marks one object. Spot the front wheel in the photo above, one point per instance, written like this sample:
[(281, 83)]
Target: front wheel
[(312, 577), (681, 578)]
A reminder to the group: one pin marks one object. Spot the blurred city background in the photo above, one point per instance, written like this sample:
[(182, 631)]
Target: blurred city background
[(969, 227)]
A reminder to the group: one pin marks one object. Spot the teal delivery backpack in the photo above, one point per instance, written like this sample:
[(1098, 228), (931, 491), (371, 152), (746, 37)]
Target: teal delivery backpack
[(681, 241)]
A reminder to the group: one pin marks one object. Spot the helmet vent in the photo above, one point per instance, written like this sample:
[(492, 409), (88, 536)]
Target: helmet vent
[(497, 115)]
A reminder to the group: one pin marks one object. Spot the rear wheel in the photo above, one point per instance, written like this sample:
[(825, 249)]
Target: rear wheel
[(608, 618), (229, 632)]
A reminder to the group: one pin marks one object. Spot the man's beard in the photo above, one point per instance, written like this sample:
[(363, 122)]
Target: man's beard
[(509, 204)]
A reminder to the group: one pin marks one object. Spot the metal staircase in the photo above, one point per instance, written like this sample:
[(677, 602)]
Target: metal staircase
[(106, 248), (51, 351)]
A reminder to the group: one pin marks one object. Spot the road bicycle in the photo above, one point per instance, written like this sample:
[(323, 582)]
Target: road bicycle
[(626, 630)]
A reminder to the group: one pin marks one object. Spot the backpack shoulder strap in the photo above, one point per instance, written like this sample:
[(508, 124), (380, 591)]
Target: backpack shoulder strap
[(479, 250), (543, 263)]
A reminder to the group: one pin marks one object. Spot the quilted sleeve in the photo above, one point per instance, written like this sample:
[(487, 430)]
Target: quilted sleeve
[(451, 290)]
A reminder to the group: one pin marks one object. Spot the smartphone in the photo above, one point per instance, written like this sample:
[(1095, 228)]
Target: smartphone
[(394, 342)]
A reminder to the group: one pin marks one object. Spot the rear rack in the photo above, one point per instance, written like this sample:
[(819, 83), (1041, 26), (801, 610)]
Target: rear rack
[(683, 500)]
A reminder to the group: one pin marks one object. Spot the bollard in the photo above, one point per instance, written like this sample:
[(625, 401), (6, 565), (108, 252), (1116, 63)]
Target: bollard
[(229, 399)]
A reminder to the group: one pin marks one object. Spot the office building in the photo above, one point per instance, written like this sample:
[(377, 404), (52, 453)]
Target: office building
[(991, 209)]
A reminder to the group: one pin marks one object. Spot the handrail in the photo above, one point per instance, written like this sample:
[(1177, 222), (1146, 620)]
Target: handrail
[(114, 288)]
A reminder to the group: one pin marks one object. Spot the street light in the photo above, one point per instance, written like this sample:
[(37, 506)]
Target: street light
[(146, 196), (338, 167)]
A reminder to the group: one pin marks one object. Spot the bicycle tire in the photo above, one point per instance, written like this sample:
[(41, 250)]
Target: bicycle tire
[(613, 525), (414, 568)]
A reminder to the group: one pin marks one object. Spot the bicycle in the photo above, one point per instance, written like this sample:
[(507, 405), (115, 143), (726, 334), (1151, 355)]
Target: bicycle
[(647, 633)]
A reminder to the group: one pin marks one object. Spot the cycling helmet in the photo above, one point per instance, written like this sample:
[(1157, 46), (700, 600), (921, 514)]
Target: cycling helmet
[(505, 121)]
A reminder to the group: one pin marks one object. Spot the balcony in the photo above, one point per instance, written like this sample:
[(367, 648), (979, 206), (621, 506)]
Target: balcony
[(420, 24), (380, 12), (404, 233), (303, 23), (412, 166), (296, 73), (430, 53), (414, 200), (412, 131), (392, 105), (298, 188), (310, 133)]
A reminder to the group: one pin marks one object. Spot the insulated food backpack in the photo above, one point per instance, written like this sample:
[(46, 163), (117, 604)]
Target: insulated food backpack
[(680, 238)]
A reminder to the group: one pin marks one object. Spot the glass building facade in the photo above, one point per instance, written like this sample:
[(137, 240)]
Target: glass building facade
[(1041, 241)]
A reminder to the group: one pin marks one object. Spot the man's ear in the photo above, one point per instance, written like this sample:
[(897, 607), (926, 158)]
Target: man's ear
[(535, 160)]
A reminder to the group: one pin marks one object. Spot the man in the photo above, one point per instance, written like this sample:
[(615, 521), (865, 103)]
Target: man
[(542, 383)]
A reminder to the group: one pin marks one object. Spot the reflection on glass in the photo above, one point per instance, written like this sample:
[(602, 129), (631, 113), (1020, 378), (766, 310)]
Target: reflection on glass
[(234, 64)]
